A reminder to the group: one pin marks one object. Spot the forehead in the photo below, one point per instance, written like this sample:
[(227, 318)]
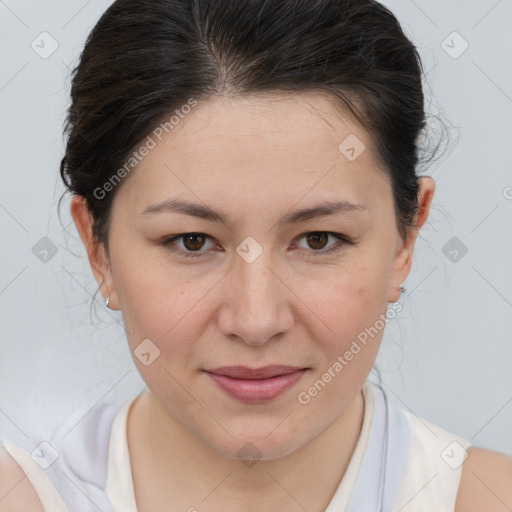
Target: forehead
[(276, 145), (289, 124)]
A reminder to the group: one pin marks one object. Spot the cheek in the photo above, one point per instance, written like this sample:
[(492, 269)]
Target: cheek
[(351, 309), (349, 301), (351, 313), (164, 306), (149, 296), (156, 323)]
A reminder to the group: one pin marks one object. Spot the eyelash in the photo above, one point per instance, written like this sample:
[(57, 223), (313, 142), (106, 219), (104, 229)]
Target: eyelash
[(342, 241)]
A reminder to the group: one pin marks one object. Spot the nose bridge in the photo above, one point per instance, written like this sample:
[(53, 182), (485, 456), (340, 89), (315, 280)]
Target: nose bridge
[(256, 279), (257, 283), (253, 266), (256, 306)]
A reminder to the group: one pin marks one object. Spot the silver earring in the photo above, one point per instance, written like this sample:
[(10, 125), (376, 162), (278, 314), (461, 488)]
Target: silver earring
[(402, 289), (107, 301)]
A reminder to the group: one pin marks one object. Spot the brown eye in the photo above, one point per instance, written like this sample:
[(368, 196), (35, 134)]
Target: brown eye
[(317, 241), (193, 242)]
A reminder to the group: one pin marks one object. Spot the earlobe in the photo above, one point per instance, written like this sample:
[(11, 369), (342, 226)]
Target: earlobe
[(403, 263), (96, 253)]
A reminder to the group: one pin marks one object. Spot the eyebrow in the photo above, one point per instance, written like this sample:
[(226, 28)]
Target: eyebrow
[(202, 211)]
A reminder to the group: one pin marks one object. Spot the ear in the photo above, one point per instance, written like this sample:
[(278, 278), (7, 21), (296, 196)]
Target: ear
[(97, 254), (405, 248)]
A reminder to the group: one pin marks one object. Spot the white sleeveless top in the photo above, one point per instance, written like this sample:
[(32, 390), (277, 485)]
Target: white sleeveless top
[(401, 463)]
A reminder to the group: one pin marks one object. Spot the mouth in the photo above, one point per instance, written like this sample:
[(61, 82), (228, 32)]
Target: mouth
[(255, 385)]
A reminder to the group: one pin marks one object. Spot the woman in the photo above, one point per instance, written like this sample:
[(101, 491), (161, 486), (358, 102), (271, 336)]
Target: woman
[(244, 181)]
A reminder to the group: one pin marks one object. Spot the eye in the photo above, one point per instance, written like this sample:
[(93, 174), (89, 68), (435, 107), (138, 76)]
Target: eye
[(317, 240), (194, 242)]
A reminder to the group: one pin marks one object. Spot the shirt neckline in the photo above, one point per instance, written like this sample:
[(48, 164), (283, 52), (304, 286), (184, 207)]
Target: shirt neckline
[(340, 499), (119, 487)]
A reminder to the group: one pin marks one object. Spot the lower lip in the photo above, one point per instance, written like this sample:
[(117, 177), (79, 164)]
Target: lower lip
[(256, 390)]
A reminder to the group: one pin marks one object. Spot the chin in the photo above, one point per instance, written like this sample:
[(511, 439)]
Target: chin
[(253, 444)]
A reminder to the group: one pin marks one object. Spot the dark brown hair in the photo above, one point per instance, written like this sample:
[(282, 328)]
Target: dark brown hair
[(145, 59)]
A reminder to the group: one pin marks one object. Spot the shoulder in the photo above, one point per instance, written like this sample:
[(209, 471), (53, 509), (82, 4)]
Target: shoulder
[(486, 482), (430, 477), (17, 494)]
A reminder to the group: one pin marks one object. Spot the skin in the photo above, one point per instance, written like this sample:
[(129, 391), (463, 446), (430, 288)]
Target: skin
[(287, 307), (255, 159)]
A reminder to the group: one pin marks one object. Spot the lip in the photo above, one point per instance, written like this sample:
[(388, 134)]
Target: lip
[(255, 384)]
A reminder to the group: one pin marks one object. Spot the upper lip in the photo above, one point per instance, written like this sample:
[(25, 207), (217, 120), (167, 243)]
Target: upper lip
[(265, 372)]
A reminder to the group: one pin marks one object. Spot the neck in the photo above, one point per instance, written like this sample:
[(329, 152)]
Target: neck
[(171, 465)]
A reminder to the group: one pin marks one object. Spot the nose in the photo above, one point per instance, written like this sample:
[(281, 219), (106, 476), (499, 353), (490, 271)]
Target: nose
[(257, 303)]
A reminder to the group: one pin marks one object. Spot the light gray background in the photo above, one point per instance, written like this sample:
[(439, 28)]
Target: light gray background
[(448, 358)]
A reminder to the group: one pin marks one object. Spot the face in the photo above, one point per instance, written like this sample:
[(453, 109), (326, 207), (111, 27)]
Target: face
[(257, 284)]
